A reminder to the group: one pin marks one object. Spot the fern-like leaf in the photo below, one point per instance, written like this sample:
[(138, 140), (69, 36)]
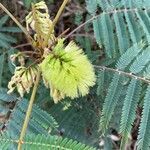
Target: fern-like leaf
[(33, 142), (132, 26), (5, 39), (144, 21), (122, 34), (118, 27), (97, 26), (40, 122), (91, 6), (144, 129), (108, 35), (4, 97), (105, 5), (129, 110), (111, 100), (129, 56), (100, 82), (141, 61)]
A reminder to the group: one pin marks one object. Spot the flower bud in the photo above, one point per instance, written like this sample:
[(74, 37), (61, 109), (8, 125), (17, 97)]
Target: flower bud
[(23, 79)]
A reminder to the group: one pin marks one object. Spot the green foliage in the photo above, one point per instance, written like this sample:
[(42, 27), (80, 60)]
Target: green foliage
[(86, 42), (122, 31), (128, 61), (42, 142), (111, 100), (91, 6), (144, 131), (27, 3), (6, 39), (78, 119), (41, 126), (117, 85), (129, 56), (119, 30), (40, 122), (129, 110)]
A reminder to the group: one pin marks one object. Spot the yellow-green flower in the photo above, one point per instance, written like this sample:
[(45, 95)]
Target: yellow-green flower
[(67, 71)]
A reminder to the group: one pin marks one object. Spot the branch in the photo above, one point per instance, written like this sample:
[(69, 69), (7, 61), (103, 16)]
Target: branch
[(22, 45), (59, 12), (17, 22), (123, 73), (28, 113), (56, 18), (81, 25)]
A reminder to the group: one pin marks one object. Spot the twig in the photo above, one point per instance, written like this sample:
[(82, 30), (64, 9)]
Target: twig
[(83, 35), (59, 12), (81, 25), (63, 33), (29, 52), (28, 113), (17, 22), (123, 73), (56, 18), (22, 45)]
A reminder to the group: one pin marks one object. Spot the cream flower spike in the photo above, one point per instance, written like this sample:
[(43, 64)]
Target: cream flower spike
[(68, 71)]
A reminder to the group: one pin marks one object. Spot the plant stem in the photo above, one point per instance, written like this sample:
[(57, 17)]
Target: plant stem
[(22, 45), (81, 25), (123, 73), (28, 113), (60, 12), (17, 22), (56, 18)]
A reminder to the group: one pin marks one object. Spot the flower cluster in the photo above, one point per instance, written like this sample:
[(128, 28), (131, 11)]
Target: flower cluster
[(67, 71)]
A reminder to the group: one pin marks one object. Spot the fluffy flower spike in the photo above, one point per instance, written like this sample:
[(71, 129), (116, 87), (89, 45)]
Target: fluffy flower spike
[(67, 71)]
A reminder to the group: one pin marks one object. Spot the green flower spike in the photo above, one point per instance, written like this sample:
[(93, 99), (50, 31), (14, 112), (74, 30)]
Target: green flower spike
[(67, 71)]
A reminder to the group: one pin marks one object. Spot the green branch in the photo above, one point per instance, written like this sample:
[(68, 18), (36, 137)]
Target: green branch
[(127, 74), (56, 18), (28, 113)]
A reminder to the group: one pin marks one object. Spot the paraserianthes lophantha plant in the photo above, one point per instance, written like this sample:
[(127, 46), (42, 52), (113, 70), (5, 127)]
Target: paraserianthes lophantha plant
[(65, 68)]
